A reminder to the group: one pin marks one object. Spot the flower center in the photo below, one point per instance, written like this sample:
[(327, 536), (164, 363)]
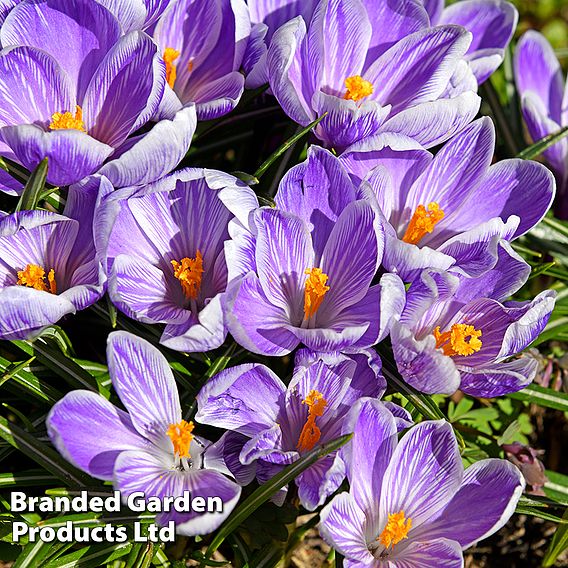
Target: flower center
[(462, 339), (357, 88), (170, 55), (311, 434), (423, 221), (33, 276), (181, 436), (68, 120), (396, 530), (189, 272), (314, 291)]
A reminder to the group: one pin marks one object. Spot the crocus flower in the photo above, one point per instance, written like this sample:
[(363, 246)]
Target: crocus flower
[(282, 423), (456, 332), (164, 250), (132, 14), (266, 17), (136, 14), (542, 90), (450, 210), (411, 503), (203, 43), (149, 448), (491, 23), (48, 266), (310, 284), (80, 101), (390, 77)]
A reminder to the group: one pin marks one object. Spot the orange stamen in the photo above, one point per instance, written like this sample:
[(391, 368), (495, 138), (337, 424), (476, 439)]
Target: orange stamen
[(33, 276), (311, 434), (189, 272), (181, 436), (462, 339), (423, 222)]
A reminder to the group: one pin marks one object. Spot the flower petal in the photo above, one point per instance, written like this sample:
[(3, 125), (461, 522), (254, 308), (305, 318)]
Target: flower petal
[(424, 473), (125, 91), (41, 85), (343, 527), (145, 384), (94, 447), (417, 68), (351, 258), (261, 330), (149, 474), (283, 253), (500, 378), (538, 71), (492, 24), (422, 365), (367, 462), (245, 398), (285, 71), (89, 31), (347, 121), (485, 501), (142, 291), (24, 312), (441, 552), (153, 155), (432, 123), (71, 154)]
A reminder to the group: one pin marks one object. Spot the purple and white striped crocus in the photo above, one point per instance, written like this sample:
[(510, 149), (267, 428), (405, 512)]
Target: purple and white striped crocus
[(48, 266), (203, 44), (310, 283), (491, 23), (451, 209), (410, 502), (390, 77), (280, 424), (150, 448), (81, 101), (132, 14), (544, 101), (163, 246), (458, 332)]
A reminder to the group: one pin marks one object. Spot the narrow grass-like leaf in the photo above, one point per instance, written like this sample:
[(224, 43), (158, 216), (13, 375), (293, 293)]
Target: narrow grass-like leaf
[(160, 559), (65, 367), (33, 188), (34, 554), (26, 383), (288, 144), (543, 397), (266, 491), (543, 144), (33, 478), (558, 544), (92, 556), (42, 454)]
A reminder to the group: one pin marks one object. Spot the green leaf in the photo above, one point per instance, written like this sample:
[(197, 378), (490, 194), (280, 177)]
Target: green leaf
[(91, 556), (33, 554), (27, 384), (42, 454), (543, 144), (559, 542), (33, 188), (288, 144), (62, 365), (543, 397), (266, 491), (33, 478)]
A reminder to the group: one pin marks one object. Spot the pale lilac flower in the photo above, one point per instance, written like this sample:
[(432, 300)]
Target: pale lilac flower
[(411, 503), (149, 448)]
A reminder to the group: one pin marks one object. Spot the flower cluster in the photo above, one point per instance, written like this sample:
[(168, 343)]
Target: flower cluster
[(374, 244)]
